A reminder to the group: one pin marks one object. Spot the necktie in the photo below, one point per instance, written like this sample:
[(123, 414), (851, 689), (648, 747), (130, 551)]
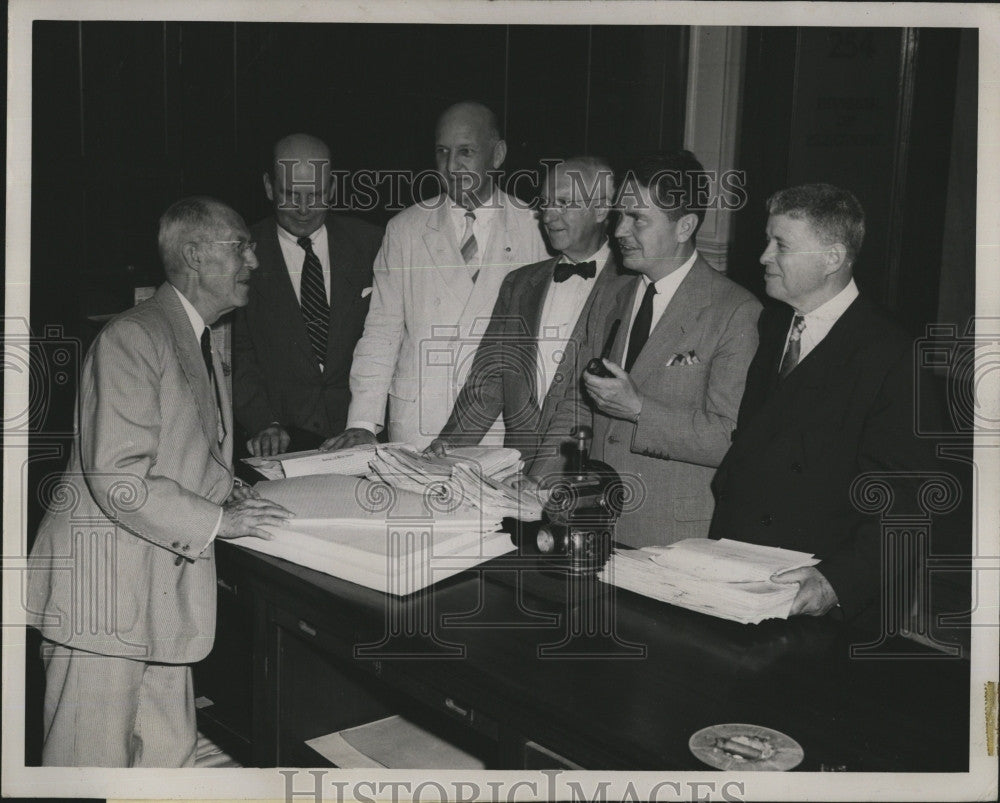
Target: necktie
[(206, 355), (791, 358), (315, 307), (585, 270), (470, 248), (640, 327)]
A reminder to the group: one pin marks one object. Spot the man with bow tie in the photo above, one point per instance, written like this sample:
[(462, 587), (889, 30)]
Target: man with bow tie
[(665, 416), (528, 366), (293, 343)]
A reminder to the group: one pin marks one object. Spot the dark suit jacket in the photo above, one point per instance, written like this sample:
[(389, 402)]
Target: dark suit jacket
[(802, 442), (275, 376), (502, 379)]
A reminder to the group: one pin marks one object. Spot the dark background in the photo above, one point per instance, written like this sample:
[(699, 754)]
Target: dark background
[(129, 116)]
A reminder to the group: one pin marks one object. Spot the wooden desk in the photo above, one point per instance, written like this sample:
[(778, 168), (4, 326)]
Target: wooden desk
[(498, 659)]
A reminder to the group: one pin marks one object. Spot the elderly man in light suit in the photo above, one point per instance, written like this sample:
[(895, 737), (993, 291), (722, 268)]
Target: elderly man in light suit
[(437, 276), (666, 416), (122, 576)]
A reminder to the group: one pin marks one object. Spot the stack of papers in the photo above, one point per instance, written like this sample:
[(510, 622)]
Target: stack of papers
[(383, 538), (476, 479), (350, 462), (728, 579)]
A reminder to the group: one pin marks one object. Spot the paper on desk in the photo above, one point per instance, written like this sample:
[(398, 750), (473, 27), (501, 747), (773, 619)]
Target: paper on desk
[(358, 502), (683, 574), (351, 462), (729, 561)]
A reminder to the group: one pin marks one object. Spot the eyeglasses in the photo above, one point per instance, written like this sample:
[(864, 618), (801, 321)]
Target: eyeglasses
[(243, 247), (561, 205)]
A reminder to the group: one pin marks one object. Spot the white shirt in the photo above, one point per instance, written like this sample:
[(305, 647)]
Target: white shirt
[(482, 226), (820, 321), (563, 303), (198, 325), (666, 288), (295, 257)]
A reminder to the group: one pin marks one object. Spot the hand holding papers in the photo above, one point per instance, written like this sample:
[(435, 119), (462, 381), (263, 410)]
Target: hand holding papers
[(467, 476), (351, 462), (728, 579)]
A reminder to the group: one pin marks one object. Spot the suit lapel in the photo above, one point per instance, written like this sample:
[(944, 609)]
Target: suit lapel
[(580, 336), (188, 352), (678, 319), (439, 239), (790, 401)]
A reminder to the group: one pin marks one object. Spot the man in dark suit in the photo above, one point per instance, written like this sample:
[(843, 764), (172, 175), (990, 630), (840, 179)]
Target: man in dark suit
[(665, 416), (122, 580), (292, 344), (829, 397), (528, 366)]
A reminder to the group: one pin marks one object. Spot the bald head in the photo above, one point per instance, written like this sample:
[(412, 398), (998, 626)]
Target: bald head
[(576, 204), (467, 147), (472, 114), (299, 184)]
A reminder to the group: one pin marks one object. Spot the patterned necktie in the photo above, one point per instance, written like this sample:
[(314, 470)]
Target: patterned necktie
[(206, 355), (585, 270), (470, 248), (640, 327), (315, 307), (791, 358)]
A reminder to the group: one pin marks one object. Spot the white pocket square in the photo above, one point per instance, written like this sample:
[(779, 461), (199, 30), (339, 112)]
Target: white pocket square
[(366, 292)]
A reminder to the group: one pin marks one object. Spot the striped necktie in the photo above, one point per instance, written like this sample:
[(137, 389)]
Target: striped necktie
[(470, 248), (315, 307), (791, 358)]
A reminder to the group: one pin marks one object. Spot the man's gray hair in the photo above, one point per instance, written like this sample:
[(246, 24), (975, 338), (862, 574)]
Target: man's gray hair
[(833, 213), (183, 220)]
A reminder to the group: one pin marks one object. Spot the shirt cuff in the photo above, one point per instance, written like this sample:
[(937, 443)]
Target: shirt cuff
[(374, 429)]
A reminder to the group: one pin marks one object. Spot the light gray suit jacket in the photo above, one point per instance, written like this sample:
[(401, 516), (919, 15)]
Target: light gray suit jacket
[(123, 563), (668, 457), (427, 316), (503, 377)]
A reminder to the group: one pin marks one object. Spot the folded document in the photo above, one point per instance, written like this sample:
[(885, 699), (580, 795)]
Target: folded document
[(724, 578)]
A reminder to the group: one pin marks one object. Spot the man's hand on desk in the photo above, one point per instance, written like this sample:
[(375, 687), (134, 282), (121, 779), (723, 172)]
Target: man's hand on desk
[(438, 447), (271, 440), (247, 516), (816, 596), (616, 395), (242, 491), (356, 436)]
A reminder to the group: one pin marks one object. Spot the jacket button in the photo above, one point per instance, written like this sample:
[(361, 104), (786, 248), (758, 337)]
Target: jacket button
[(186, 547), (766, 519), (176, 545), (612, 439), (797, 468)]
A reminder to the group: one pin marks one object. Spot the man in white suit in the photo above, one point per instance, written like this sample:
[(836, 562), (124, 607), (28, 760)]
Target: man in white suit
[(437, 276), (122, 577), (665, 417)]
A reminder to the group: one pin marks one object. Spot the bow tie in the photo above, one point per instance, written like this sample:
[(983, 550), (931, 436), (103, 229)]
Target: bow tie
[(585, 270)]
